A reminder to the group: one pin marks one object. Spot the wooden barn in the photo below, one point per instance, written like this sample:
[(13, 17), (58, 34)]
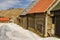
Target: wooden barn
[(38, 19)]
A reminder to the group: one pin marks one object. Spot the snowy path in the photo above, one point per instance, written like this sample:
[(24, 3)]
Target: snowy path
[(11, 31)]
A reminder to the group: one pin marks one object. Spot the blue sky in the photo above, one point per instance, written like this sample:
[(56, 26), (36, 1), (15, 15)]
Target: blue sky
[(6, 4)]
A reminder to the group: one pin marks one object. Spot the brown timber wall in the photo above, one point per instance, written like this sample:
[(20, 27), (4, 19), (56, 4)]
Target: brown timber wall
[(36, 23), (23, 21), (40, 23)]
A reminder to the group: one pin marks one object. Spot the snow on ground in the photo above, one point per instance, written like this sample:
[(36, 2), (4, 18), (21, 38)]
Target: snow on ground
[(11, 31)]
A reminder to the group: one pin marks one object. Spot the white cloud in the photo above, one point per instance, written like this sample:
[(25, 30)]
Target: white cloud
[(30, 0), (8, 3), (5, 4)]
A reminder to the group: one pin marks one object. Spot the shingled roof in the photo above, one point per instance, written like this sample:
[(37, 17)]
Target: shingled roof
[(41, 6)]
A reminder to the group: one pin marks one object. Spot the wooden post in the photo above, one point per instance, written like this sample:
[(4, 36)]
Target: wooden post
[(46, 25)]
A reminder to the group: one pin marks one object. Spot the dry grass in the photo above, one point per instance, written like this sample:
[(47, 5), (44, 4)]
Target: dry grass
[(11, 12)]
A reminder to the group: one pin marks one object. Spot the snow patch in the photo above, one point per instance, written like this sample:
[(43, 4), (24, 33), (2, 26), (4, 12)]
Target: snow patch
[(11, 31)]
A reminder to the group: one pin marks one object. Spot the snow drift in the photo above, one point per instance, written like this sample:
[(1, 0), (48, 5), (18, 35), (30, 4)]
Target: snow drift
[(11, 31)]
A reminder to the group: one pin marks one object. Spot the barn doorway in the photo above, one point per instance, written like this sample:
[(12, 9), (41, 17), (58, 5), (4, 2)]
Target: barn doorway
[(57, 26), (56, 21)]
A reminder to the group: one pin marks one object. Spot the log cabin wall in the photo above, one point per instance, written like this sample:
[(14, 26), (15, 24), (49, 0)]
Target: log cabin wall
[(40, 23), (37, 22), (48, 25), (31, 21), (23, 21)]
